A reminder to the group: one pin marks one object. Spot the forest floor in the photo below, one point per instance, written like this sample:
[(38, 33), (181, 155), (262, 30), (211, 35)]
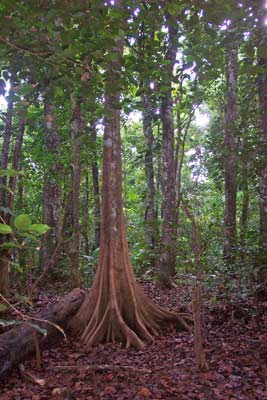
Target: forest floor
[(235, 342)]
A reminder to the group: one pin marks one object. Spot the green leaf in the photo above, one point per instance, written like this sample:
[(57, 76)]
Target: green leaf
[(9, 245), (25, 89), (3, 307), (9, 172), (5, 229), (22, 222), (40, 229)]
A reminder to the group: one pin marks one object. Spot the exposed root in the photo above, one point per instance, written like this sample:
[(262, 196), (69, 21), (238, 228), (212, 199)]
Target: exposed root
[(133, 320)]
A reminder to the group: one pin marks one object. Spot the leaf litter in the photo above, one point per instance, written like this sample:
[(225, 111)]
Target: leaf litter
[(235, 344)]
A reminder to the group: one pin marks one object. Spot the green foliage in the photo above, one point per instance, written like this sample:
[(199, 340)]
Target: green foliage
[(72, 53), (9, 172), (5, 229), (22, 222)]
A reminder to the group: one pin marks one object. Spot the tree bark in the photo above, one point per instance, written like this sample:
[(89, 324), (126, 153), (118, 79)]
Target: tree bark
[(116, 308), (245, 190), (95, 174), (179, 156), (262, 92), (5, 147), (67, 225), (74, 251), (150, 214), (86, 215), (231, 156), (4, 254), (15, 166), (169, 211), (18, 343), (51, 190)]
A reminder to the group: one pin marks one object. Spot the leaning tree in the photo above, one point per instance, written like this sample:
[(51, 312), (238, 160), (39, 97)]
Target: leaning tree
[(116, 308)]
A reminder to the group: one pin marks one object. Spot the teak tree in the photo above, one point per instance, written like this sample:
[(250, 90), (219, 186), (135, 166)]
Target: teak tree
[(116, 308)]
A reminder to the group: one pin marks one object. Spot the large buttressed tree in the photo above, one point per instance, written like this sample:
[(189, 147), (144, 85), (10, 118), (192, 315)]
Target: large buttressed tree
[(116, 308)]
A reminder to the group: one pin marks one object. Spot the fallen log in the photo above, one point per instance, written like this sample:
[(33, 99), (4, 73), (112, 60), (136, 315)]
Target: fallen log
[(19, 343)]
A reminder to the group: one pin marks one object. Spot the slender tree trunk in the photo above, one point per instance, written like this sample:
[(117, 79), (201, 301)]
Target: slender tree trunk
[(4, 254), (67, 225), (245, 190), (20, 191), (169, 212), (5, 148), (51, 190), (158, 207), (86, 215), (231, 156), (262, 90), (150, 213), (95, 174), (116, 309), (74, 251), (15, 165), (179, 156), (147, 118), (244, 210)]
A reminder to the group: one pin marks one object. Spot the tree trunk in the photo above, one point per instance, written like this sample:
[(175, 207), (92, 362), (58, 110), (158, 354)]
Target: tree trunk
[(74, 251), (18, 343), (67, 225), (245, 190), (51, 190), (231, 156), (95, 174), (4, 254), (15, 166), (262, 91), (86, 215), (5, 148), (20, 191), (169, 212), (179, 156), (150, 214), (116, 308)]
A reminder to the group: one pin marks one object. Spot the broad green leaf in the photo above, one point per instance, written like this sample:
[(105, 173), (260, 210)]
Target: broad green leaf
[(22, 222), (5, 229), (40, 229)]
